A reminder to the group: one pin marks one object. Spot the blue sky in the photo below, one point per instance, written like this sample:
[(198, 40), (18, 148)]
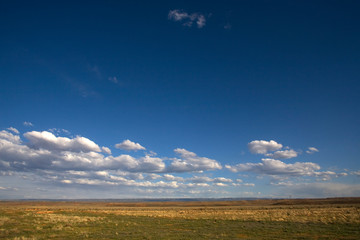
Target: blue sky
[(107, 99)]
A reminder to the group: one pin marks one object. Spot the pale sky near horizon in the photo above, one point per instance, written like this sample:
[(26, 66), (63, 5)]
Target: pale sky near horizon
[(162, 99)]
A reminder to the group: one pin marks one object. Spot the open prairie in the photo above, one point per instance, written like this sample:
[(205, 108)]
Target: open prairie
[(336, 218)]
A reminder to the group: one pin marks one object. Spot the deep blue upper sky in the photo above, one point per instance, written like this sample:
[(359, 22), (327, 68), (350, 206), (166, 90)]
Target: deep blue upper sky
[(286, 71)]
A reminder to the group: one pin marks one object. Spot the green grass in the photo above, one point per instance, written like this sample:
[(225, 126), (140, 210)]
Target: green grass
[(81, 224)]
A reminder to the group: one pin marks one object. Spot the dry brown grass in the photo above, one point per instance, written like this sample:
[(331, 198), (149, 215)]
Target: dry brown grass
[(336, 210), (324, 214), (258, 219)]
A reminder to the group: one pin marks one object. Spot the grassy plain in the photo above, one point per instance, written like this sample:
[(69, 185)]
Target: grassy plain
[(337, 218)]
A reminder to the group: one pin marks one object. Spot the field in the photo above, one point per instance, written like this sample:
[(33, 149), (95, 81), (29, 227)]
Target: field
[(337, 218)]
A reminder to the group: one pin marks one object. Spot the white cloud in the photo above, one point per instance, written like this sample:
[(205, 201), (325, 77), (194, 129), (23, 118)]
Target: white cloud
[(177, 15), (129, 146), (28, 124), (197, 185), (46, 151), (106, 150), (285, 154), (14, 130), (152, 176), (47, 140), (72, 161), (186, 18), (170, 177), (219, 184), (58, 131), (67, 181), (190, 162), (263, 147), (312, 150), (5, 135), (198, 179), (319, 189), (277, 167), (223, 180), (288, 184), (201, 21), (128, 163), (249, 184), (78, 173)]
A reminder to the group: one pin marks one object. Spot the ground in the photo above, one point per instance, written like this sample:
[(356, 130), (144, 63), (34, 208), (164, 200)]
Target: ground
[(336, 218)]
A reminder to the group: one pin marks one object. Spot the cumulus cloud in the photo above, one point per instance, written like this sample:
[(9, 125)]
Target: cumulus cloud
[(223, 180), (72, 161), (219, 184), (152, 176), (319, 189), (263, 147), (170, 177), (186, 18), (198, 179), (46, 151), (312, 150), (276, 167), (106, 150), (285, 154), (129, 146), (14, 130), (28, 124), (113, 178), (47, 140), (128, 163), (9, 137), (190, 162)]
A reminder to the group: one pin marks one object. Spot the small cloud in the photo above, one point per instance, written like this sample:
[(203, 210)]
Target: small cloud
[(190, 162), (201, 21), (151, 154), (186, 18), (286, 154), (269, 166), (223, 180), (59, 131), (152, 176), (287, 184), (129, 146), (106, 150), (28, 124), (67, 181), (170, 177), (263, 147), (198, 179), (220, 184), (47, 140), (14, 130), (249, 184), (312, 150), (113, 79)]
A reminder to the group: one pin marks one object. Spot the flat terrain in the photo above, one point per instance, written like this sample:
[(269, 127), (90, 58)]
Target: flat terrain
[(335, 218)]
